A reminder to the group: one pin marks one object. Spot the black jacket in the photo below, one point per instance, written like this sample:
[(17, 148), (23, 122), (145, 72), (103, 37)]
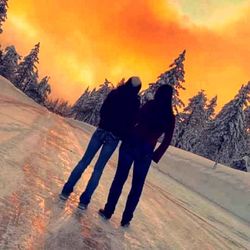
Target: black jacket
[(119, 111), (151, 125)]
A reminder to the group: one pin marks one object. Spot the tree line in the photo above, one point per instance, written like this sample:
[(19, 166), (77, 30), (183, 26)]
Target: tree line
[(223, 137)]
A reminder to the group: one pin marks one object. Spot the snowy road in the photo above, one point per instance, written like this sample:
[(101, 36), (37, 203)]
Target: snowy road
[(37, 152)]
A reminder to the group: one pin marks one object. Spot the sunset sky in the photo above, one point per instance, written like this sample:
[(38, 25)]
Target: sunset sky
[(85, 41)]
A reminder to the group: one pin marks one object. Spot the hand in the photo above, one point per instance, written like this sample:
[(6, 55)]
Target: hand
[(156, 158)]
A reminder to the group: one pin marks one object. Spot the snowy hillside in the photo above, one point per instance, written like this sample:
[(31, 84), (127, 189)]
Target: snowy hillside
[(185, 205)]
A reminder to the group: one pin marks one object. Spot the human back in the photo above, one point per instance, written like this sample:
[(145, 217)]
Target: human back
[(155, 117), (119, 110)]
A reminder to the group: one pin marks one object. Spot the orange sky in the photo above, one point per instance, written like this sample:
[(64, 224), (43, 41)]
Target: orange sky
[(85, 41)]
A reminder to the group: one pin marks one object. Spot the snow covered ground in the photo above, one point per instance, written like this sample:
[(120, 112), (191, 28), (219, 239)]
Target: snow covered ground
[(185, 205)]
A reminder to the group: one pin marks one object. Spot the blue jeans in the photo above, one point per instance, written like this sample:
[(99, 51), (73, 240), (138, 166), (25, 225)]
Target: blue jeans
[(100, 138), (141, 155)]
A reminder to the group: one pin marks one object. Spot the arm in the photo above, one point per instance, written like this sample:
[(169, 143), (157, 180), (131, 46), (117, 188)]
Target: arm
[(159, 152), (107, 104)]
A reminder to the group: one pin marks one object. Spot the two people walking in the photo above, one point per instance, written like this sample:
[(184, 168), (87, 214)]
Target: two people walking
[(139, 130)]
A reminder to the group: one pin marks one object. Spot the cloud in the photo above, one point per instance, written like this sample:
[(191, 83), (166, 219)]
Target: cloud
[(83, 42)]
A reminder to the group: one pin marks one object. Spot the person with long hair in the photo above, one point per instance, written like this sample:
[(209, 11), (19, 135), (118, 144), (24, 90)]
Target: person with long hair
[(117, 116), (155, 118)]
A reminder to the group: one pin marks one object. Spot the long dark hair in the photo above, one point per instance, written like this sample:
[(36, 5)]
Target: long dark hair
[(163, 110), (163, 97)]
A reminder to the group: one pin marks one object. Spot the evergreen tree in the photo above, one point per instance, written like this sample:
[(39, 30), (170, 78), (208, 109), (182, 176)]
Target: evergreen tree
[(62, 108), (224, 138), (210, 111), (1, 56), (9, 63), (174, 77), (88, 106), (247, 118), (38, 91), (93, 105), (81, 102), (51, 104), (3, 12), (121, 82), (193, 121), (44, 89), (58, 106), (26, 70)]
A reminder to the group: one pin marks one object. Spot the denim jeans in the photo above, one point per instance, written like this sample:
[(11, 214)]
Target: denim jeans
[(100, 138), (141, 155)]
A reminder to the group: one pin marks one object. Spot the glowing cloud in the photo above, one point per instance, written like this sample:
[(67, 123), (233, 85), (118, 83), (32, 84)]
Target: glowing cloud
[(84, 42)]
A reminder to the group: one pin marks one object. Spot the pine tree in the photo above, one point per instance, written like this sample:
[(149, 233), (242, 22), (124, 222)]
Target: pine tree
[(38, 91), (9, 63), (81, 102), (62, 108), (58, 106), (121, 82), (44, 89), (26, 70), (225, 135), (174, 77), (51, 104), (193, 121), (94, 102), (210, 110), (247, 118), (1, 56), (88, 106), (3, 12)]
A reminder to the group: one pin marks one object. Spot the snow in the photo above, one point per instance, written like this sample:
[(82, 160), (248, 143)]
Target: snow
[(185, 204)]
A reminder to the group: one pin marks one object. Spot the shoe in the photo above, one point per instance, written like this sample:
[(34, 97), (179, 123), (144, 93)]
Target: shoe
[(63, 197), (125, 223), (102, 213), (82, 206)]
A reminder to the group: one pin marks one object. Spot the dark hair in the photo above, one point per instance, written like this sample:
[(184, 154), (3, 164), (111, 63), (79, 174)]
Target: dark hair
[(163, 105), (164, 96), (129, 88)]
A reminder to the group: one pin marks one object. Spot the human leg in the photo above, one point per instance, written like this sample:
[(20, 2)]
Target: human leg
[(93, 146), (125, 161), (141, 167), (109, 146)]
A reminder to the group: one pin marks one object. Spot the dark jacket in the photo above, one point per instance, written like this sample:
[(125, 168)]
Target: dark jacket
[(151, 125), (119, 111)]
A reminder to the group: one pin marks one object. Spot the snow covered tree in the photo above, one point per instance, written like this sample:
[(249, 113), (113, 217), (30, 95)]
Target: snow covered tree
[(3, 12), (210, 110), (88, 106), (1, 55), (242, 164), (58, 106), (38, 91), (193, 121), (9, 63), (247, 118), (121, 82), (245, 149), (94, 102), (51, 104), (223, 140), (174, 77), (26, 70), (44, 89), (77, 111)]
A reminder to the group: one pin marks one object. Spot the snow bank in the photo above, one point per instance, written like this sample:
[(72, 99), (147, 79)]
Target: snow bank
[(38, 150), (227, 187)]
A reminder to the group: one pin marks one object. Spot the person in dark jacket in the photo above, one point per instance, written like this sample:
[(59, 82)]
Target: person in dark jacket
[(155, 118), (117, 117)]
